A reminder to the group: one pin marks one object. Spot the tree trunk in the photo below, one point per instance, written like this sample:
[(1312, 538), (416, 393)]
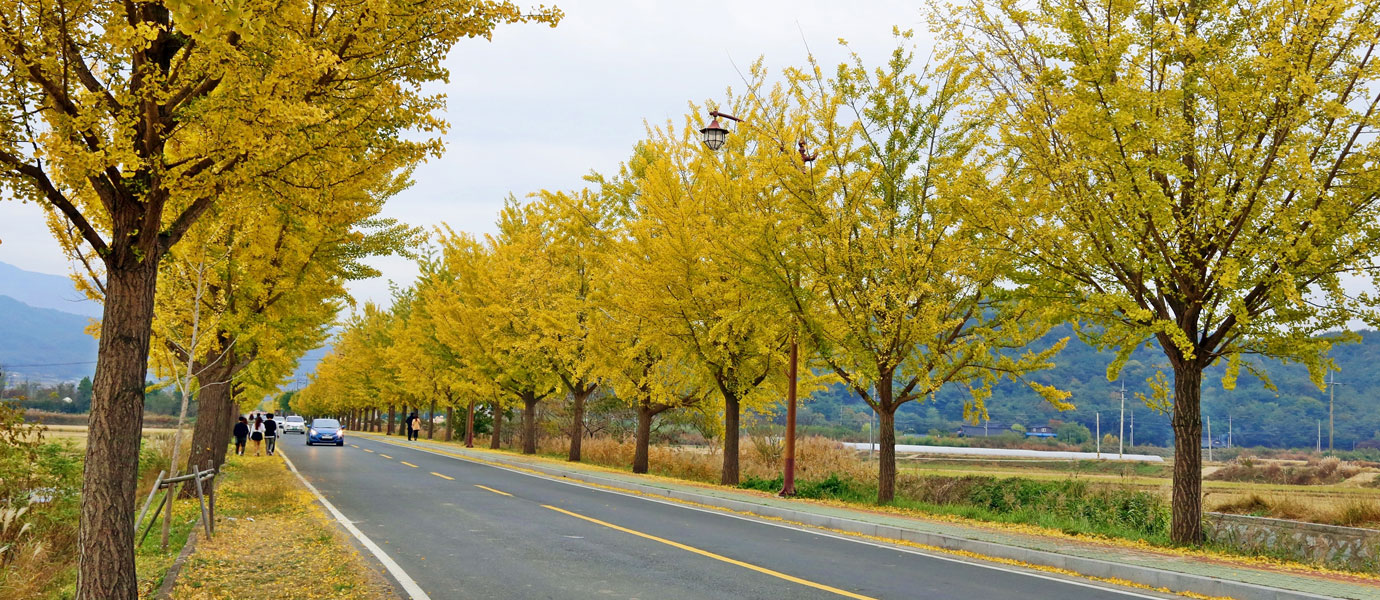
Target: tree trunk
[(450, 420), (106, 534), (1186, 526), (731, 414), (577, 422), (886, 456), (232, 416), (886, 438), (644, 437), (497, 433), (216, 413), (431, 421), (391, 416), (469, 425), (529, 423)]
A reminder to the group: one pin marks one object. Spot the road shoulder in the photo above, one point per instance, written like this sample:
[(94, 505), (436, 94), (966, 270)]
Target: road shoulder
[(271, 534)]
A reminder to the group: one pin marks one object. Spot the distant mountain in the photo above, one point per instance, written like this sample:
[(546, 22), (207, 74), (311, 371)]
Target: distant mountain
[(42, 344), (306, 366), (41, 290), (1289, 416)]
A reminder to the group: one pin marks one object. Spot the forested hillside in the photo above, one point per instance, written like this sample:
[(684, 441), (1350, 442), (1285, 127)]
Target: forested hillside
[(1259, 417), (42, 344)]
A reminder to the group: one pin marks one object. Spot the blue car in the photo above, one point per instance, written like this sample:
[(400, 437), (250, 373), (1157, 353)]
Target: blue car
[(325, 431)]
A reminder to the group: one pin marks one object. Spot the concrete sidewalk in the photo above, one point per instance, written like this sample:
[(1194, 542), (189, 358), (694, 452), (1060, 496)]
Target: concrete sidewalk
[(1188, 572)]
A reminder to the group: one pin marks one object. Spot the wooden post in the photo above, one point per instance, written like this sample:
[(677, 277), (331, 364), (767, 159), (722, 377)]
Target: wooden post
[(156, 484), (211, 501), (167, 521), (201, 499), (166, 501)]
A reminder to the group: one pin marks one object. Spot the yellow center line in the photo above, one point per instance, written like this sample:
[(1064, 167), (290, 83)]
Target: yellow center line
[(353, 446), (485, 487), (749, 566), (408, 464), (384, 455), (366, 449), (443, 476)]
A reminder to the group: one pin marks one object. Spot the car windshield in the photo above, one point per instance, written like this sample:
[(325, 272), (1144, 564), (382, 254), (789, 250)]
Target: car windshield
[(294, 419), (325, 424)]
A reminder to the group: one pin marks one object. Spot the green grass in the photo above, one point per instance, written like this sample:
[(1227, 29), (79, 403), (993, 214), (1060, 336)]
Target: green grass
[(1069, 506)]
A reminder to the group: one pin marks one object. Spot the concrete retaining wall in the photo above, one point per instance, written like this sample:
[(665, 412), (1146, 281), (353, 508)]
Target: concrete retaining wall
[(1306, 542)]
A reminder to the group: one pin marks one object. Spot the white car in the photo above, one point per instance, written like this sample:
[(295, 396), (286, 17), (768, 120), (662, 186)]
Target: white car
[(294, 424)]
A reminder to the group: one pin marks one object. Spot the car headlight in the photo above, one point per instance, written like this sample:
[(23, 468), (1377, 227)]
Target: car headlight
[(311, 431)]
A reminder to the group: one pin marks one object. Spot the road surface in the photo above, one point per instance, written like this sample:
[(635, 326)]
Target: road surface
[(461, 529)]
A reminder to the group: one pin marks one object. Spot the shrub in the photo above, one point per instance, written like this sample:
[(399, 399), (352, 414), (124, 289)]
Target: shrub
[(1324, 471), (39, 506)]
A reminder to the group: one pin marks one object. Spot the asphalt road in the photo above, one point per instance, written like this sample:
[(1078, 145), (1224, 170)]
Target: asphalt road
[(466, 530)]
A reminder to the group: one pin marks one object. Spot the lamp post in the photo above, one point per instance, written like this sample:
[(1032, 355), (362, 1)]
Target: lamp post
[(714, 136)]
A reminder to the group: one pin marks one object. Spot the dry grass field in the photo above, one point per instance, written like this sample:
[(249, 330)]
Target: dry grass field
[(1351, 500), (76, 434)]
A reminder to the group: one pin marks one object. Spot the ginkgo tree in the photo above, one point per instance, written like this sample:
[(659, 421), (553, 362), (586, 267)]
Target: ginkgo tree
[(689, 206), (275, 287), (577, 228), (897, 291), (129, 121), (1198, 174)]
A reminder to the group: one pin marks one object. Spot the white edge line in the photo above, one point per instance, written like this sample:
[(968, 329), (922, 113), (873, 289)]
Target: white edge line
[(409, 585), (805, 529)]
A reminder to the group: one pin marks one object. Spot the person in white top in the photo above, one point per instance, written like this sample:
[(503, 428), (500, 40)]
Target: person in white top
[(256, 433)]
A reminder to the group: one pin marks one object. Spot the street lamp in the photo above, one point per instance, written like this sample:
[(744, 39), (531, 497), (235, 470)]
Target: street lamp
[(714, 136)]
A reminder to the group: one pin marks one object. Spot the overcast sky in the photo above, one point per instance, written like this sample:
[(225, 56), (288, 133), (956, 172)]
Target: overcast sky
[(539, 107)]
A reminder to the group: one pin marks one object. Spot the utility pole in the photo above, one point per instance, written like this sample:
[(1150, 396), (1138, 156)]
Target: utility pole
[(1097, 418), (1209, 427), (1228, 430), (788, 479), (1121, 434), (1331, 395), (871, 433), (1133, 429)]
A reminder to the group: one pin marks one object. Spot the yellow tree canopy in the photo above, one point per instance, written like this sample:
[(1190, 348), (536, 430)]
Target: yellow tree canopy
[(899, 293), (1203, 175)]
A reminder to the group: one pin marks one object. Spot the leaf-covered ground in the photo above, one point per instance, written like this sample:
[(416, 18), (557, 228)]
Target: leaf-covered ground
[(274, 541)]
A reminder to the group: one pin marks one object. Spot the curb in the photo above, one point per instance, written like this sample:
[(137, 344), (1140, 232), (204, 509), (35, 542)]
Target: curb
[(170, 578), (1157, 578)]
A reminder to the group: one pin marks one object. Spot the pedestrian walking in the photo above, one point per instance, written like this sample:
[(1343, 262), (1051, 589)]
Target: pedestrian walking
[(270, 434), (241, 434), (256, 433), (414, 426)]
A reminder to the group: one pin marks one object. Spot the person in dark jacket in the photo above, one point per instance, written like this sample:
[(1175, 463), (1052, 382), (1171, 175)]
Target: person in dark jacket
[(270, 433), (241, 434)]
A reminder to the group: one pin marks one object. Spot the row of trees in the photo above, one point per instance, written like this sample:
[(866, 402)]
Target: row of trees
[(1203, 176), (236, 154), (681, 282)]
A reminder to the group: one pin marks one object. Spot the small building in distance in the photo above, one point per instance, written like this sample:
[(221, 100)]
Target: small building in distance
[(1040, 431), (988, 429)]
